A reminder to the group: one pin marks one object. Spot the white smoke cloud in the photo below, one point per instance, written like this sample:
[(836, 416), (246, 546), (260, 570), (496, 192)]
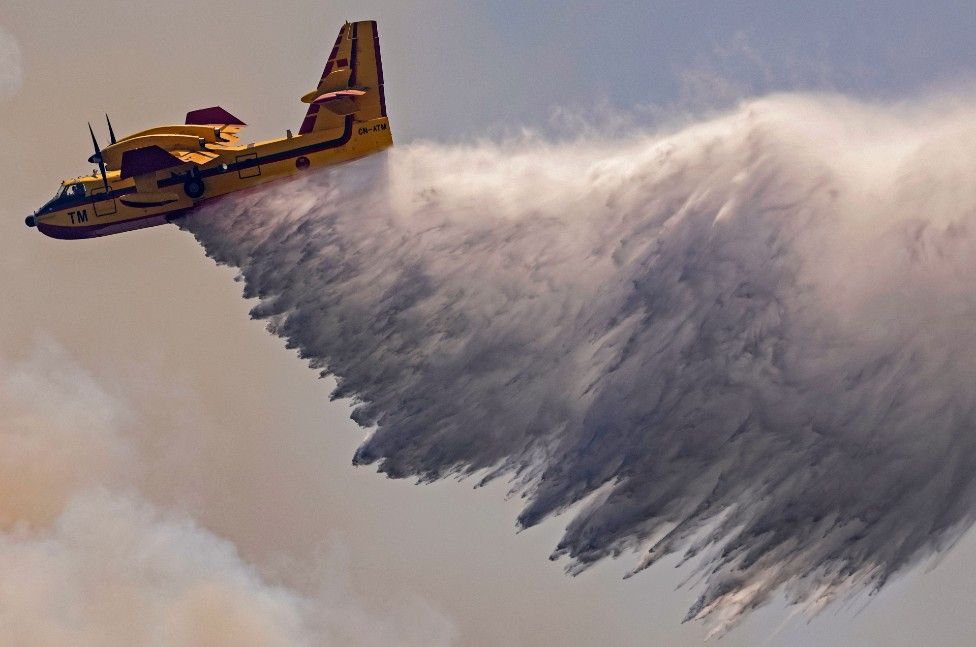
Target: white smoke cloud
[(86, 558), (113, 571), (750, 340), (11, 66)]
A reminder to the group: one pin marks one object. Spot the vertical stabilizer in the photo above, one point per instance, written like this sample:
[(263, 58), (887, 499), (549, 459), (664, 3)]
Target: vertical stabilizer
[(352, 82)]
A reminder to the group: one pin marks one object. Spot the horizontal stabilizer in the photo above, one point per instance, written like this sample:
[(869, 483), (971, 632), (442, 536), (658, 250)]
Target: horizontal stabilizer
[(215, 116), (341, 102), (316, 96), (146, 160)]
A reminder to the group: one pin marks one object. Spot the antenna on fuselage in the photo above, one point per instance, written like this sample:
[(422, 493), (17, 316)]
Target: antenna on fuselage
[(97, 157), (111, 133)]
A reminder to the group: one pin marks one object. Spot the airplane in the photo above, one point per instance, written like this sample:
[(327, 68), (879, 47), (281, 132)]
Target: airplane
[(158, 175)]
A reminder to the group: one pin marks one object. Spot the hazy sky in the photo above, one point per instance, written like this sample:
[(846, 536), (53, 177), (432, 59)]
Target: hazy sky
[(238, 433)]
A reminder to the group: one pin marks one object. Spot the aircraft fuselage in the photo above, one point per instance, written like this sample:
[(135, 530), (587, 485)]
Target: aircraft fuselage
[(166, 195), (156, 175)]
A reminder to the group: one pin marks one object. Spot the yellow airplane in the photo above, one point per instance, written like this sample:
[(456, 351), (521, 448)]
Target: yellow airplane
[(157, 175)]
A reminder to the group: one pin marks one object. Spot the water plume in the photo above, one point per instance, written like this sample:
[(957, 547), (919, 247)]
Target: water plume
[(749, 340)]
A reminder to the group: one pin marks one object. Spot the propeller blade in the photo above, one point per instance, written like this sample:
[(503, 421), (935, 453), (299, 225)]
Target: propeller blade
[(101, 167), (111, 133), (98, 151), (97, 157)]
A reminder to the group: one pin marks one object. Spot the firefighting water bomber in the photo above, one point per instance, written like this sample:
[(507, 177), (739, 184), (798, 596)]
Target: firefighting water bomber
[(157, 175)]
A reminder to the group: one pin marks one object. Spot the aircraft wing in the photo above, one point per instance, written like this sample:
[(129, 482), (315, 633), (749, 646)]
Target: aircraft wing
[(201, 139), (149, 159), (227, 124), (184, 147)]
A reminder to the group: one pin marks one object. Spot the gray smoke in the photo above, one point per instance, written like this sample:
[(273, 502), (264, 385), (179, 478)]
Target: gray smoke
[(11, 65), (751, 340), (88, 558)]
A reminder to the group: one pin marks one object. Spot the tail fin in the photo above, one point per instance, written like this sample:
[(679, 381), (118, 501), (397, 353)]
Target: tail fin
[(352, 82)]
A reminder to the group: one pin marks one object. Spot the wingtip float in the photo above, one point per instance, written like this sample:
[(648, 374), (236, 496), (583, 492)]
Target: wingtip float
[(156, 175)]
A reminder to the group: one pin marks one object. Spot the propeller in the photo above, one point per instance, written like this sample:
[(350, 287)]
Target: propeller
[(111, 133), (97, 157)]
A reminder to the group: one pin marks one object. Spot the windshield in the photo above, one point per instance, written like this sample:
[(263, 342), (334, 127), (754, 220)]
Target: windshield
[(67, 193)]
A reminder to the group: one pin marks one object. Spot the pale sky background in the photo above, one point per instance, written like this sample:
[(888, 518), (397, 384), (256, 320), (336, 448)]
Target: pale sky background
[(267, 457)]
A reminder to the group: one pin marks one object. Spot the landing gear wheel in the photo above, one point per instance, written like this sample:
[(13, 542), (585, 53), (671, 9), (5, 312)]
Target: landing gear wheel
[(193, 187)]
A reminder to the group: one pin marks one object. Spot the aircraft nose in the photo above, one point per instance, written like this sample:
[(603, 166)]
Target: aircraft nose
[(30, 221)]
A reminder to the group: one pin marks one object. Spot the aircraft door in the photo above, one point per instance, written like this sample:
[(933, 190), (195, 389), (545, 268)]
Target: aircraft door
[(251, 170), (101, 205)]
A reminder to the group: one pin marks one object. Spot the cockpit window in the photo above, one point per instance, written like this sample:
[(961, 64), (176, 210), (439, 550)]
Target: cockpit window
[(67, 193)]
